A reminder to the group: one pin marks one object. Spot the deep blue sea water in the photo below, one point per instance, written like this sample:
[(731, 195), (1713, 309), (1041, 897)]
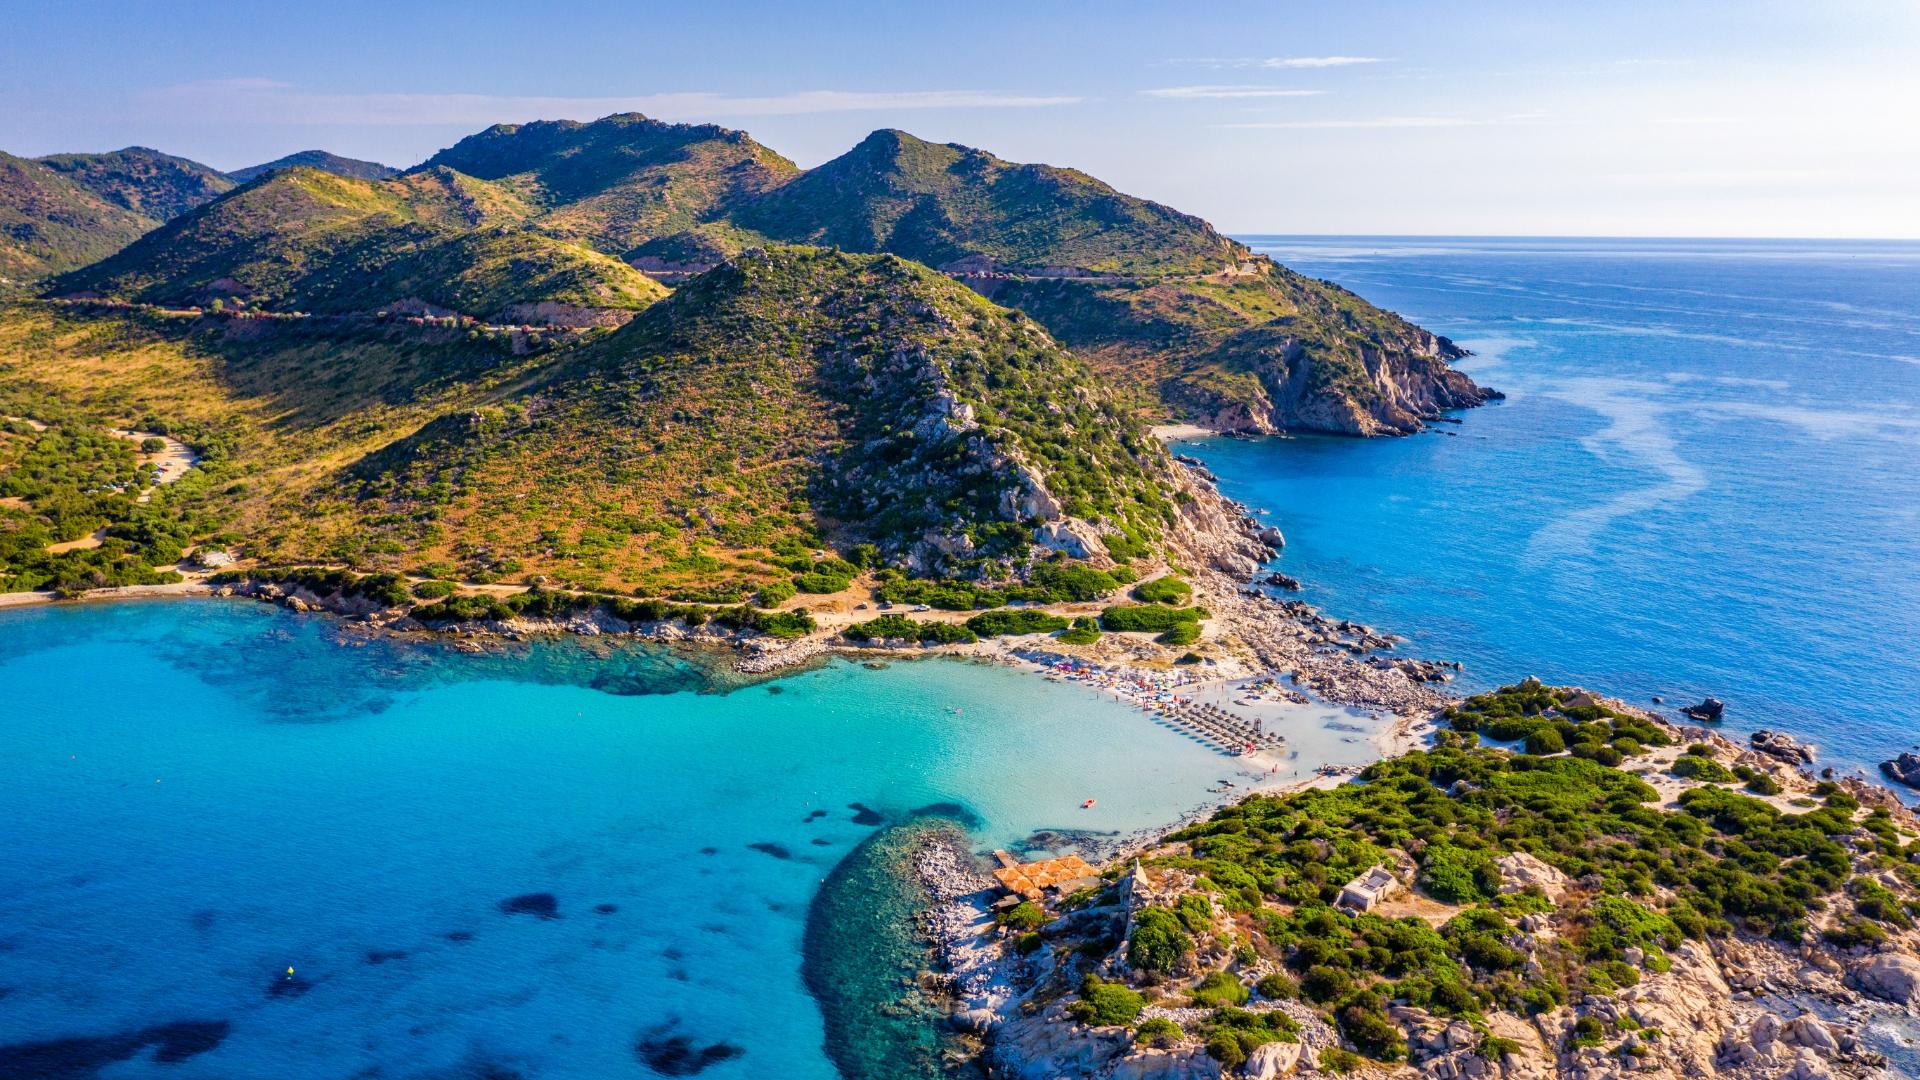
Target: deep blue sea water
[(1705, 478), (198, 795)]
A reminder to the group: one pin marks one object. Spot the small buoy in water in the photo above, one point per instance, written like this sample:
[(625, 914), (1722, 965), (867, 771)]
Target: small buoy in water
[(1088, 805), (289, 971)]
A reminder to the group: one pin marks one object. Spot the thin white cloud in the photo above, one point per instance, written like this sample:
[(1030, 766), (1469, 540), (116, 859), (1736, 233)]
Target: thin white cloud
[(1229, 92), (1342, 123), (265, 101), (1280, 62)]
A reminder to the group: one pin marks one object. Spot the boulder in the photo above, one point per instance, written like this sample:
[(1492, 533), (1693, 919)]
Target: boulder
[(1271, 1061), (1188, 1064), (1708, 711), (1283, 581), (1781, 745), (1891, 977), (1519, 871), (1905, 769), (1808, 1031), (1271, 537)]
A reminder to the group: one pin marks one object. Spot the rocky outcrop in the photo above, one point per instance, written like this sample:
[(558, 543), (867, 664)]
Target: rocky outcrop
[(1891, 977), (1904, 769), (1779, 744), (1520, 872)]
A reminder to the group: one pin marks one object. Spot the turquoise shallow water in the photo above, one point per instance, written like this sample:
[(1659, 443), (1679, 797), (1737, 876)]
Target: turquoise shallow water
[(1705, 478), (201, 794)]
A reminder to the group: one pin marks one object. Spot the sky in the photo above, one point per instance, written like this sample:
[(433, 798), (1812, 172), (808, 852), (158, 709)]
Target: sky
[(1624, 118)]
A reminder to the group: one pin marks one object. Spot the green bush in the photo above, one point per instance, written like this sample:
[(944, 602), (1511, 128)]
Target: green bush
[(1010, 621), (1144, 618), (1026, 915), (821, 584), (1163, 590), (775, 593), (1158, 942), (1225, 1049), (1704, 769), (1084, 631), (1217, 989), (1159, 1033), (1545, 740), (433, 590), (1183, 634), (1277, 987), (1106, 1004), (899, 626)]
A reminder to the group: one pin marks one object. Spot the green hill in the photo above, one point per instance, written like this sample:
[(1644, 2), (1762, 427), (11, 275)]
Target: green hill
[(945, 204), (794, 389), (307, 240), (621, 180), (317, 159), (794, 399), (50, 223), (149, 183), (1255, 349)]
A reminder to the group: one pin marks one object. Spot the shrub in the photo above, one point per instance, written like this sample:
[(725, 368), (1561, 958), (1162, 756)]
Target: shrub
[(1339, 1061), (1163, 590), (433, 590), (1026, 915), (1217, 989), (1277, 987), (1225, 1049), (1704, 769), (1324, 984), (1195, 912), (819, 583), (1027, 944), (1762, 784), (1184, 634), (1158, 942), (1545, 740), (1106, 1004), (1085, 631), (1142, 618), (1007, 621), (1159, 1033), (775, 593), (1457, 875)]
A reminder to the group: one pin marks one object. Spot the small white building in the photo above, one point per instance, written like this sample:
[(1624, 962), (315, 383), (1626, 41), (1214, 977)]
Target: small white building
[(1363, 892)]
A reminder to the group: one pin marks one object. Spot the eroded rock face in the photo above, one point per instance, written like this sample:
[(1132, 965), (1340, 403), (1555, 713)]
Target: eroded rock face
[(1272, 1061), (1891, 977), (1049, 1047), (1521, 871), (1190, 1064)]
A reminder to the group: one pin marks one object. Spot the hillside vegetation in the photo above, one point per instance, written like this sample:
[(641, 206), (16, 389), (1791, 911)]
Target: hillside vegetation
[(154, 185), (791, 400), (302, 239), (943, 204), (50, 222), (317, 159), (622, 180)]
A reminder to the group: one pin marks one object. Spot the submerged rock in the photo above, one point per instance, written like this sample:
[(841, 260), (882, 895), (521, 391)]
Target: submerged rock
[(669, 1053), (541, 903)]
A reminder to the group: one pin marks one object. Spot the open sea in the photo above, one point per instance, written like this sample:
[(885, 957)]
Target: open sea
[(1705, 478)]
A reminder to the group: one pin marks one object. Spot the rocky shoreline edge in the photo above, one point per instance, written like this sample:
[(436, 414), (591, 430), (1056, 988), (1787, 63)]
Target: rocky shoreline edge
[(1740, 1008)]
